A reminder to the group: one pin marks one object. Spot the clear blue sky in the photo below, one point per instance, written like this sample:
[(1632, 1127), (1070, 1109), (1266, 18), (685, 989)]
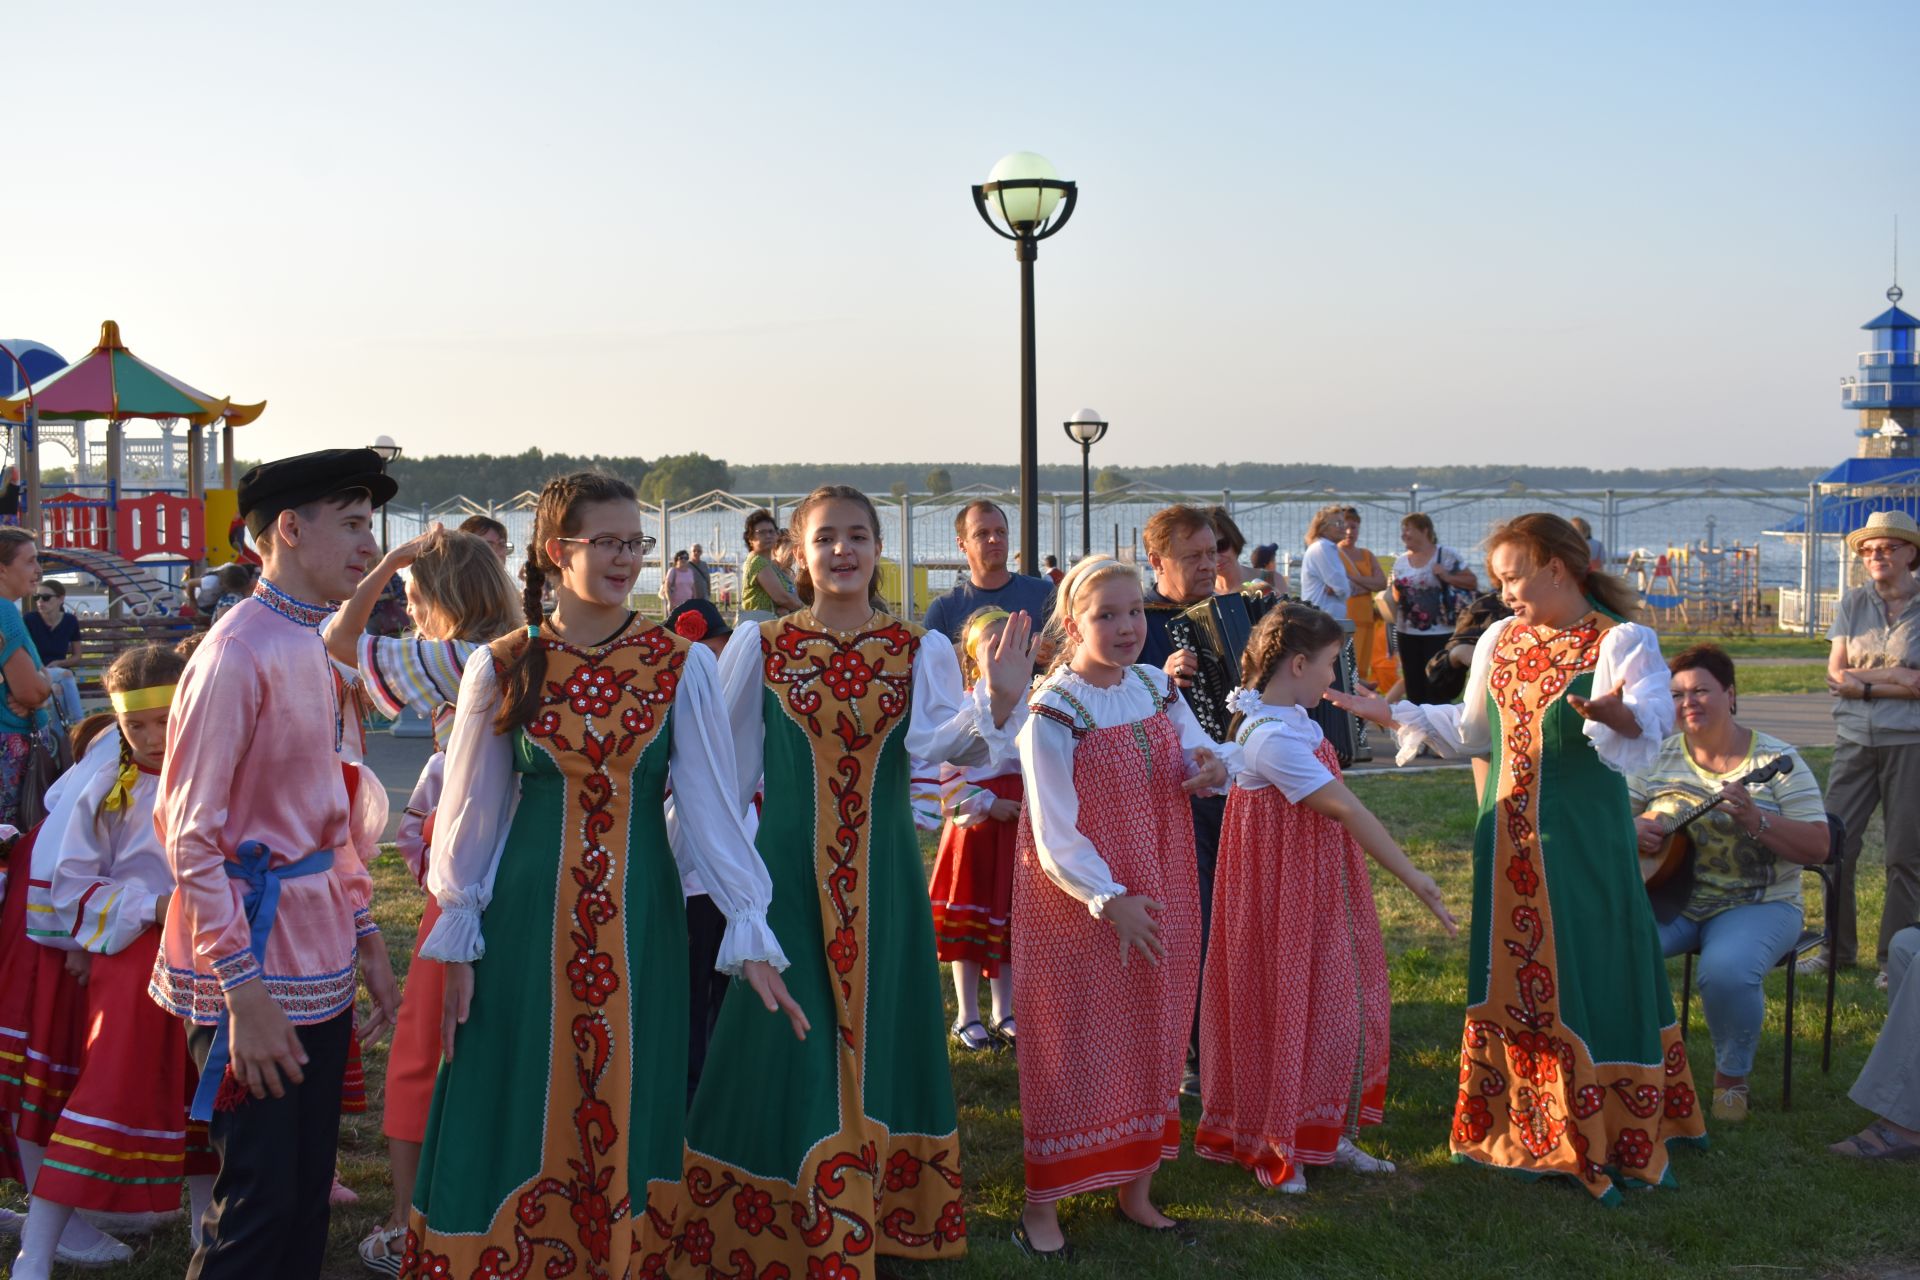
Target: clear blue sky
[(1623, 234)]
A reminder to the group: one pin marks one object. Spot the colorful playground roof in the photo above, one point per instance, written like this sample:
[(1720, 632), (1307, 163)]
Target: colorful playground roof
[(111, 382)]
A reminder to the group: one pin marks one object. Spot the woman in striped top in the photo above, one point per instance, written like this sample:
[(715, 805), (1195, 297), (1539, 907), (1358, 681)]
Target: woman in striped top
[(459, 597)]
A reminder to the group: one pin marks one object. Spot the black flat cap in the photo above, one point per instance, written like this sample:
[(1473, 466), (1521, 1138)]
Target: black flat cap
[(285, 483), (698, 620)]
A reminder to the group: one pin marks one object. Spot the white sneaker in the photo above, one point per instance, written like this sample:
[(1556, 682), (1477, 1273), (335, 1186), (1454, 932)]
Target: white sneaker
[(1348, 1156), (1296, 1183), (135, 1224), (11, 1221)]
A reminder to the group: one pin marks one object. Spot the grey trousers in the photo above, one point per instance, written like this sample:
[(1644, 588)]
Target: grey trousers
[(1889, 1085), (1864, 779)]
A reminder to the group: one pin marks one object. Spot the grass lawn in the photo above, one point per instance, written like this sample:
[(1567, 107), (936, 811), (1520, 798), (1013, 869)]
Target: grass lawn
[(1759, 646), (1766, 1200), (1785, 677)]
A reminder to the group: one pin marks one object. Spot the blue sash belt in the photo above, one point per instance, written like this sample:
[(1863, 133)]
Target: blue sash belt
[(261, 903)]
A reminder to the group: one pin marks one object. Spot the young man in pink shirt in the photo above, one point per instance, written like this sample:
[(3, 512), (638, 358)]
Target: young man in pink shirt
[(269, 918)]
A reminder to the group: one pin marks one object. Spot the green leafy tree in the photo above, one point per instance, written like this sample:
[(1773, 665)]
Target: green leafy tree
[(939, 480), (1107, 479), (898, 488), (680, 476)]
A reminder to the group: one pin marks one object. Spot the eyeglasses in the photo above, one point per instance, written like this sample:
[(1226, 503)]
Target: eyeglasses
[(608, 545), (42, 599), (1880, 550)]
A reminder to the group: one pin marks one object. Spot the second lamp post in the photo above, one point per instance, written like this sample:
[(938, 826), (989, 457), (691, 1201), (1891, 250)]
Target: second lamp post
[(1086, 429), (1024, 190)]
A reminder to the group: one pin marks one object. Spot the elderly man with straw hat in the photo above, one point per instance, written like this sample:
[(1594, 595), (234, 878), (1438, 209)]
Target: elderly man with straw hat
[(1873, 670)]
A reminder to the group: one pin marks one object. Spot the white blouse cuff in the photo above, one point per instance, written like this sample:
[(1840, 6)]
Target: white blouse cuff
[(1097, 904), (456, 937), (748, 937), (1629, 756), (1409, 732), (999, 740)]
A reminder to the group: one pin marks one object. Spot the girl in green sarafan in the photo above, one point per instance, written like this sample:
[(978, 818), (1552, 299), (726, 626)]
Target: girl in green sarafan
[(1571, 1062), (817, 1157), (555, 1139)]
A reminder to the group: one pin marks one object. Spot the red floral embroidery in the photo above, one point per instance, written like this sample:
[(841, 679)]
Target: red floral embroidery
[(1532, 662), (591, 690), (1588, 1101), (753, 1210), (1534, 1056), (697, 1241), (1526, 881), (903, 1171), (847, 677), (1632, 1149), (591, 974), (1680, 1101), (831, 1267), (953, 1221), (843, 950), (1471, 1119)]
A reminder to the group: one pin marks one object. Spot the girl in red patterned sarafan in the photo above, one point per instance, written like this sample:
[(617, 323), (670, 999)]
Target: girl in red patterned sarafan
[(1295, 1003), (1107, 901)]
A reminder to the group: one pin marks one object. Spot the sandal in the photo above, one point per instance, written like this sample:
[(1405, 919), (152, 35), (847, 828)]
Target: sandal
[(383, 1250), (1891, 1145), (972, 1036), (1020, 1237)]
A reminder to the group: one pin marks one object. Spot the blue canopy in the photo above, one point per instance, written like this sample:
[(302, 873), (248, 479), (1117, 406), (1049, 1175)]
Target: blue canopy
[(1842, 513), (39, 358)]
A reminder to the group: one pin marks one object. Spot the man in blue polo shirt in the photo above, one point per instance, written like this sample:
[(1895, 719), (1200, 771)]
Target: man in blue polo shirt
[(981, 529)]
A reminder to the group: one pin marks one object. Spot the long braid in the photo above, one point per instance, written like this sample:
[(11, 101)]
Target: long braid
[(556, 516), (1290, 628)]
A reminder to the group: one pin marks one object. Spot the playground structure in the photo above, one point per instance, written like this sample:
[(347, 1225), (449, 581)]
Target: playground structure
[(1699, 587), (151, 516)]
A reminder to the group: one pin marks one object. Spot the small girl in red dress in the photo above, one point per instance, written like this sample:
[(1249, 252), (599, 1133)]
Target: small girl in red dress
[(972, 885), (1294, 1003), (1105, 870), (120, 1142)]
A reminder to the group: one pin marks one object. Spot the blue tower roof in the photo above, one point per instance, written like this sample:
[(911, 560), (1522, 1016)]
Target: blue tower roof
[(1892, 318)]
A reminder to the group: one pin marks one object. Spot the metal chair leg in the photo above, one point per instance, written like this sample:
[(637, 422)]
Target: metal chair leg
[(1786, 1065), (1686, 994), (1826, 1043)]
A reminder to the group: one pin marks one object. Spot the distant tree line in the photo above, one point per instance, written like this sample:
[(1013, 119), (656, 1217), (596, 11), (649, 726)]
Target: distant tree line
[(678, 477)]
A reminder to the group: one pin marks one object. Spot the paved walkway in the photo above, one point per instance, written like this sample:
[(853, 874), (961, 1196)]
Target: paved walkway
[(1804, 719)]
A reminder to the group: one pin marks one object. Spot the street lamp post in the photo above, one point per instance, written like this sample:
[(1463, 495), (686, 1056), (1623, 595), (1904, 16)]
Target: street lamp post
[(384, 446), (1024, 190), (1086, 429)]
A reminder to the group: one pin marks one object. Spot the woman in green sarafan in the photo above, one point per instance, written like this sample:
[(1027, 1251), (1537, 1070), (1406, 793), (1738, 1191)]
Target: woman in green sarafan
[(1571, 1062), (816, 1157), (555, 1139)]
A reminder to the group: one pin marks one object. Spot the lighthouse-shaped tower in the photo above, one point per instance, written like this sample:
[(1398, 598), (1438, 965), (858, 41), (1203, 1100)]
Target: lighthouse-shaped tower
[(1886, 391)]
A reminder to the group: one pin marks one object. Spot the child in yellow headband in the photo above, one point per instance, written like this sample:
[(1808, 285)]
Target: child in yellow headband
[(121, 1134), (972, 884)]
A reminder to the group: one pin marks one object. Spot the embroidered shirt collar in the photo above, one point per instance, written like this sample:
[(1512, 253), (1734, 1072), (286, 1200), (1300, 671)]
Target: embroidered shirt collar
[(307, 615)]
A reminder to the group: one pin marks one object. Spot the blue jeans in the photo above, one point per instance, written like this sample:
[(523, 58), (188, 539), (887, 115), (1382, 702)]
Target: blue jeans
[(66, 692), (1737, 947)]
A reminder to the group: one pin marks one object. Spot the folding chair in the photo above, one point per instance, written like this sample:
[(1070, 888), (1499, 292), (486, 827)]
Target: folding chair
[(1809, 940)]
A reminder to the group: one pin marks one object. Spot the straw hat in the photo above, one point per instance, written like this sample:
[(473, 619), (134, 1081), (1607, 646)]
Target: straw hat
[(1885, 524)]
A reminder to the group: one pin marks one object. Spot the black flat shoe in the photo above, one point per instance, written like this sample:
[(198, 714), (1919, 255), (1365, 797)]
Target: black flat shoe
[(1020, 1237), (972, 1036)]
